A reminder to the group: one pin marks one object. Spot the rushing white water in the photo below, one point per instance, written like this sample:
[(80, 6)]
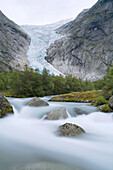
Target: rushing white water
[(27, 142)]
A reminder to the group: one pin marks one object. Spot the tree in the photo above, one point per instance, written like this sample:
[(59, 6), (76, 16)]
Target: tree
[(73, 84), (98, 84), (87, 85), (2, 87), (48, 85), (59, 84), (108, 84)]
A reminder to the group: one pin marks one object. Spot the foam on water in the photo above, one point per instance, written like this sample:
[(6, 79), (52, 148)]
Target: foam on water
[(26, 139)]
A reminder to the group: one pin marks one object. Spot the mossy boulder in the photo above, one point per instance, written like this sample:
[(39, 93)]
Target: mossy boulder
[(58, 113), (5, 107), (110, 102), (37, 102), (69, 129), (105, 108)]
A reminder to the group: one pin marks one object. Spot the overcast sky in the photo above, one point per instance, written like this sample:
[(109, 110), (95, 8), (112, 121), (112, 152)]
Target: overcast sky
[(40, 12)]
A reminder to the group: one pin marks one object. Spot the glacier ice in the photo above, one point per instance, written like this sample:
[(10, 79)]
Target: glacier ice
[(41, 38)]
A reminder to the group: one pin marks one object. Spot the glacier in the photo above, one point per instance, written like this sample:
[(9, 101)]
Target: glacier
[(41, 38)]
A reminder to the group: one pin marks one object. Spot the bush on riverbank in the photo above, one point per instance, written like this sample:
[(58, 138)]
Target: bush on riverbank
[(100, 100)]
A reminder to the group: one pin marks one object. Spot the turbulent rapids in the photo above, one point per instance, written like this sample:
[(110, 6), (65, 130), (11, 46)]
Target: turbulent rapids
[(27, 142)]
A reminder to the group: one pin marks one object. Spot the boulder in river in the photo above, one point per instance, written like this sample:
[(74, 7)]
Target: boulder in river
[(5, 107), (37, 102), (105, 108), (69, 129), (58, 113), (110, 102)]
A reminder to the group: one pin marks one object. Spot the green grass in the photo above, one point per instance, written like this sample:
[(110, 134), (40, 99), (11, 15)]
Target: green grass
[(8, 94), (87, 96)]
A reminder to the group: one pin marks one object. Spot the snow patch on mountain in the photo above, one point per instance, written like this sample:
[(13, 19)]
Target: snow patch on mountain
[(41, 38)]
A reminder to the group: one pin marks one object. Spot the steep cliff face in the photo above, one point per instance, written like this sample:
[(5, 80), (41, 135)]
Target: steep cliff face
[(14, 43), (68, 28), (86, 50)]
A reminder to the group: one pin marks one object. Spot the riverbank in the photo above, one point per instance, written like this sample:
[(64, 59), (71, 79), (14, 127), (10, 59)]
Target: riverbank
[(8, 94), (94, 97), (82, 97)]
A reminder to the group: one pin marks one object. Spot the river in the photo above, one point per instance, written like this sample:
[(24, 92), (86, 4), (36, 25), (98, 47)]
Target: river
[(27, 142)]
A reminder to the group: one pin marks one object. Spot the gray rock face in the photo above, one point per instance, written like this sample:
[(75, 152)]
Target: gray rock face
[(59, 113), (67, 28), (37, 102), (14, 43), (86, 51), (69, 129), (110, 102), (5, 107)]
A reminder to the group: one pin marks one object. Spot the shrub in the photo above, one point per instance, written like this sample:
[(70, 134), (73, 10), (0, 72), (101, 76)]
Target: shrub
[(100, 100)]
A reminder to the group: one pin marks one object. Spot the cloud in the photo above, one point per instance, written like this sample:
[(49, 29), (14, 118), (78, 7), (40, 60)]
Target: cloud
[(42, 11)]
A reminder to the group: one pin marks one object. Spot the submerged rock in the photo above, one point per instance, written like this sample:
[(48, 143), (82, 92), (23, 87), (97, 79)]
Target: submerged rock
[(43, 165), (79, 111), (59, 113), (37, 102), (69, 129), (110, 102), (5, 107)]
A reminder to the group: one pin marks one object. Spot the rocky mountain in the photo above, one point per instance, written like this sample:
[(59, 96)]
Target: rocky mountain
[(66, 29), (86, 50), (14, 43), (41, 38)]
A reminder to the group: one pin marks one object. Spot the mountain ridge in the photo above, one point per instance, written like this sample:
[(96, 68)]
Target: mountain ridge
[(14, 43), (86, 51)]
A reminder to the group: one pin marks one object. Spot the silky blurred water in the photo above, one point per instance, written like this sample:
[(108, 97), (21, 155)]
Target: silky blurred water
[(27, 142)]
